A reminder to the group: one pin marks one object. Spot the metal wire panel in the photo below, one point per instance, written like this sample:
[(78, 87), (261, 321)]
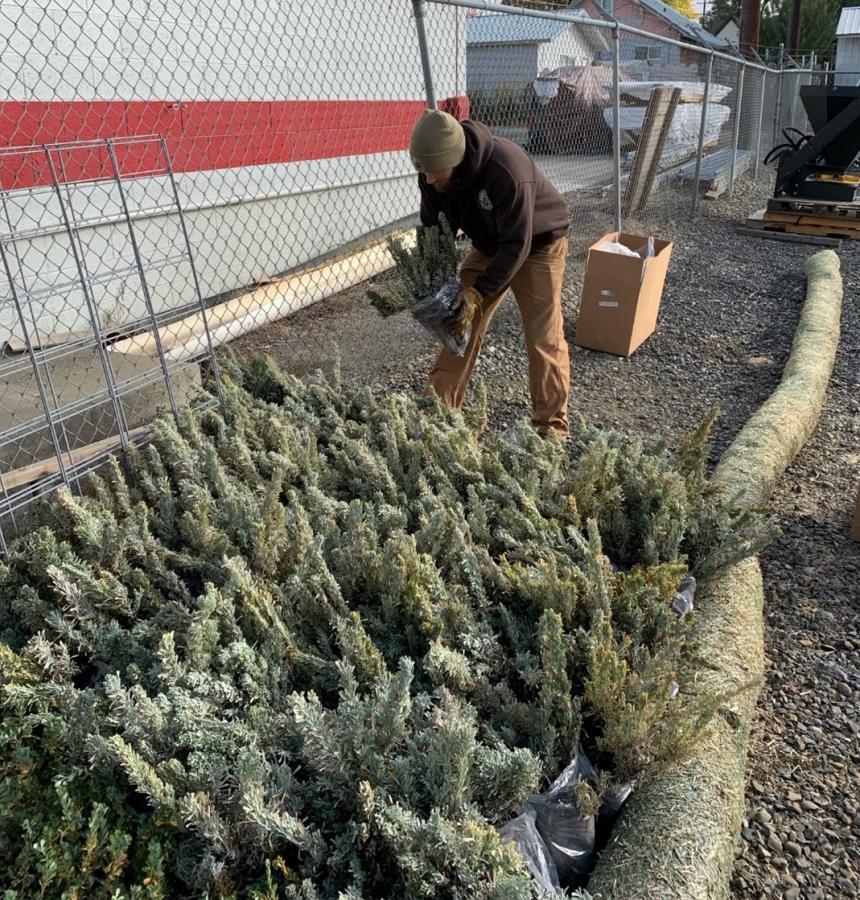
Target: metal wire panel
[(95, 260)]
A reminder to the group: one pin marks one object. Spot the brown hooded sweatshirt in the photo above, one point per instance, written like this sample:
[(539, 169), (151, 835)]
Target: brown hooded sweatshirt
[(501, 201)]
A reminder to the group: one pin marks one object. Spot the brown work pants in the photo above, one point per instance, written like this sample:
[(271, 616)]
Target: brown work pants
[(537, 288)]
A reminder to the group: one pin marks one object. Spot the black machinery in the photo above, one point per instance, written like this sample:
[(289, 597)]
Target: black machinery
[(823, 165)]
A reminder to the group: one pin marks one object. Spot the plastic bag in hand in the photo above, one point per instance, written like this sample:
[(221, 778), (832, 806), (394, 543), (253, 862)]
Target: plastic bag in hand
[(434, 313)]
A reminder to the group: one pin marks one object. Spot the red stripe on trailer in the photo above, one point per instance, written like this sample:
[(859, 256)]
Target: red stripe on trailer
[(205, 134)]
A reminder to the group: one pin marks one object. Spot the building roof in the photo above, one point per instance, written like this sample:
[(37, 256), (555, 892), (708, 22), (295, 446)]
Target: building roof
[(849, 22), (686, 28), (691, 29), (504, 28)]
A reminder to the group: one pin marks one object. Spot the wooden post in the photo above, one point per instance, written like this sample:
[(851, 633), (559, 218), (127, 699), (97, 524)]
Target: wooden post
[(794, 26), (655, 128), (750, 27)]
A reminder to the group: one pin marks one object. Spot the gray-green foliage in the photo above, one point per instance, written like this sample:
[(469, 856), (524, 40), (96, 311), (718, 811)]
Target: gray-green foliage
[(322, 646), (419, 271)]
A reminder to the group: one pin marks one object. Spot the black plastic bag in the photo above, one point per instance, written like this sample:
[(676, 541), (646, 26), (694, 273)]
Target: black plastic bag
[(434, 313), (568, 835), (553, 837), (523, 832), (614, 797)]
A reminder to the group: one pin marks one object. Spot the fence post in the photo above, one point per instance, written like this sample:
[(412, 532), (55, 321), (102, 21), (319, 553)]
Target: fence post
[(813, 80), (701, 147), (40, 386), (420, 9), (616, 126), (760, 123), (777, 115), (739, 103)]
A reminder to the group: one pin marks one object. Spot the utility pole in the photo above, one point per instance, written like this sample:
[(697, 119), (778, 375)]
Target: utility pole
[(793, 27), (750, 27)]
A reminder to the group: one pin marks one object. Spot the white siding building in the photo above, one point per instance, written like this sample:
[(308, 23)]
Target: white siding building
[(848, 47), (504, 53), (728, 29)]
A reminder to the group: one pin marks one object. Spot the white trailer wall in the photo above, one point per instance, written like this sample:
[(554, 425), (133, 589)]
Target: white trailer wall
[(245, 222)]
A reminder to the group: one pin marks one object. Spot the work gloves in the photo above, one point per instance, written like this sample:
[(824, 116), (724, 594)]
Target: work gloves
[(462, 311)]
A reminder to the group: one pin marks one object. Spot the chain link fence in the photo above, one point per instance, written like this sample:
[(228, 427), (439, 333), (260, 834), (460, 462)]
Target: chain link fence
[(546, 83), (679, 74), (177, 177)]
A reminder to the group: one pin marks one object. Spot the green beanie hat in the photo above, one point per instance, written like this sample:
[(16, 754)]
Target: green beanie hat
[(438, 142)]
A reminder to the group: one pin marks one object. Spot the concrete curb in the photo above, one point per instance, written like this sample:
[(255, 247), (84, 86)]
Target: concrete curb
[(677, 836)]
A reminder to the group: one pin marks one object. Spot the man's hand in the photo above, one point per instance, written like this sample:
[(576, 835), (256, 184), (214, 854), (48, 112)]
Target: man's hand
[(464, 307)]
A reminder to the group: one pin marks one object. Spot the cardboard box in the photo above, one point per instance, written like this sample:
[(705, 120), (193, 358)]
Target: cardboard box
[(621, 295), (855, 531)]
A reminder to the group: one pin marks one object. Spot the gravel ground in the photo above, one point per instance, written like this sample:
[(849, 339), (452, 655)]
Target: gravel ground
[(802, 835), (727, 319)]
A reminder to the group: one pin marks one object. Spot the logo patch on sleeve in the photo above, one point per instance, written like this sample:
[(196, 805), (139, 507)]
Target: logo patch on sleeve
[(484, 200)]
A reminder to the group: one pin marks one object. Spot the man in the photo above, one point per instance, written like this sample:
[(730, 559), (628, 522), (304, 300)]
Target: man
[(490, 188)]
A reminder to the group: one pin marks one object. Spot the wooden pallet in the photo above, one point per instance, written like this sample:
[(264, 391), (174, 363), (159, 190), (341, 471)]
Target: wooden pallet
[(829, 235), (823, 226), (784, 218), (820, 209)]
